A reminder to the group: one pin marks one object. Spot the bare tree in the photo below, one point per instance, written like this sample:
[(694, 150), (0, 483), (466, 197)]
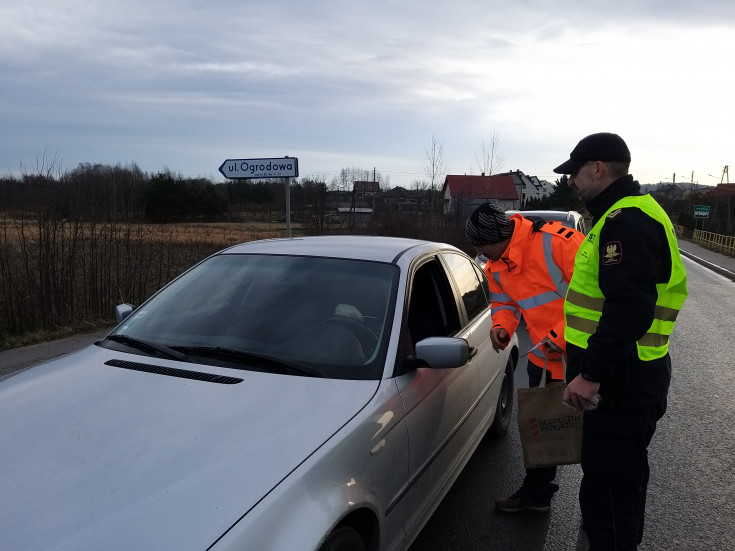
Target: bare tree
[(46, 166), (315, 201), (348, 176), (420, 185), (489, 159), (436, 166), (436, 171)]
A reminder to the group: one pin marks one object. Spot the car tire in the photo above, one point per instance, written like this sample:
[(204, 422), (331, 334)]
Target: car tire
[(344, 538), (504, 406)]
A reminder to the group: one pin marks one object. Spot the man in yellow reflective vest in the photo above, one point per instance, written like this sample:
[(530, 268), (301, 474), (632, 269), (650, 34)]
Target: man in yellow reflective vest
[(628, 286)]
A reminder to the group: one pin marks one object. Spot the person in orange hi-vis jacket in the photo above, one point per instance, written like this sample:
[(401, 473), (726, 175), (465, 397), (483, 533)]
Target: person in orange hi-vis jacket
[(529, 266)]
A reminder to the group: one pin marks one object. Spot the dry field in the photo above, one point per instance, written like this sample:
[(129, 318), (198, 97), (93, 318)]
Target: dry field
[(59, 274), (219, 232), (14, 231)]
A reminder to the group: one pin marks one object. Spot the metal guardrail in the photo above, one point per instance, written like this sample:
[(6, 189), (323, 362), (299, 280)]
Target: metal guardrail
[(715, 241)]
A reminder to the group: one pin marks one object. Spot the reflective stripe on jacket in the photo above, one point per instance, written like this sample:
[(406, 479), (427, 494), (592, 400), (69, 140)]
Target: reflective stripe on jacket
[(585, 300), (531, 280)]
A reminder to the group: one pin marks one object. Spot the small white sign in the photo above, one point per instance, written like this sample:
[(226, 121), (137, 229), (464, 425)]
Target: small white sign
[(240, 169)]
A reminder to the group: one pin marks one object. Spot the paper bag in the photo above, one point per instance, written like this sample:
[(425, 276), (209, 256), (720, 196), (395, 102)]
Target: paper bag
[(551, 433)]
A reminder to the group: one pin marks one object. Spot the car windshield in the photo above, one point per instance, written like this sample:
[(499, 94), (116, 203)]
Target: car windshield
[(329, 316)]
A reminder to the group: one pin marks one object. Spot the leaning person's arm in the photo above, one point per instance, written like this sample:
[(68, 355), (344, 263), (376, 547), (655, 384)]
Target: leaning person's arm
[(505, 312)]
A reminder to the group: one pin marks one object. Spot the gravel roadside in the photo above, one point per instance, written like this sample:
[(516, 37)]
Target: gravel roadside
[(20, 358)]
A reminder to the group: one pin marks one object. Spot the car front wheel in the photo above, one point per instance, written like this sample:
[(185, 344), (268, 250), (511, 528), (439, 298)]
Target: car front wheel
[(344, 538), (504, 406)]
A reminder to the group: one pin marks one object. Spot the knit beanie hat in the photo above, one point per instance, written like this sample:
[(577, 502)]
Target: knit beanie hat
[(488, 224)]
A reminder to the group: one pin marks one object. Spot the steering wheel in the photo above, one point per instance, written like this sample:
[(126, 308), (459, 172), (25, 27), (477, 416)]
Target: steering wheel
[(368, 339)]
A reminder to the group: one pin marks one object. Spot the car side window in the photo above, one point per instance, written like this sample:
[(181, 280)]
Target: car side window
[(432, 309), (471, 283)]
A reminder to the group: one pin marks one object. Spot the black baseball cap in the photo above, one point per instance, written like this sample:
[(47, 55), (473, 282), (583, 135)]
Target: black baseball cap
[(602, 146)]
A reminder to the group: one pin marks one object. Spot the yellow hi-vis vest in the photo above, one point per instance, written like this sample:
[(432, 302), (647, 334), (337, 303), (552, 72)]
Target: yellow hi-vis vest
[(584, 300)]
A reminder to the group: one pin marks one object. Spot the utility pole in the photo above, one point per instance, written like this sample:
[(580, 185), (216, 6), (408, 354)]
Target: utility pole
[(725, 172)]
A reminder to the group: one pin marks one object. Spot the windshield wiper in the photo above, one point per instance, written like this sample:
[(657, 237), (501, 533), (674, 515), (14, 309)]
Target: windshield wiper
[(148, 346), (261, 360)]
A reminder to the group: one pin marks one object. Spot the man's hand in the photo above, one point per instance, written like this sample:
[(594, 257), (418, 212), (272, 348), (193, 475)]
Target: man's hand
[(582, 394), (500, 338)]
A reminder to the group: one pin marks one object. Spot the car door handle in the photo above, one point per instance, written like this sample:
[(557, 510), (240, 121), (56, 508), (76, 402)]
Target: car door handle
[(473, 353)]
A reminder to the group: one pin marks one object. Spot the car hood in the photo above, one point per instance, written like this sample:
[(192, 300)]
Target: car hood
[(97, 457)]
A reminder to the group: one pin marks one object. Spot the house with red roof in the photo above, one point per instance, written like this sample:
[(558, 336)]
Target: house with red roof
[(463, 193), (723, 190)]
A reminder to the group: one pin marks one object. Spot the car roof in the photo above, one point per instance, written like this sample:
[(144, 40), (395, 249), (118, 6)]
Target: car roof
[(553, 214), (361, 247)]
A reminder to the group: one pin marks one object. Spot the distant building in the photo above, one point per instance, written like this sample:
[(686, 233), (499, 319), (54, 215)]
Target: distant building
[(355, 207), (403, 201), (355, 215), (365, 190), (537, 190), (723, 190), (510, 190), (666, 190)]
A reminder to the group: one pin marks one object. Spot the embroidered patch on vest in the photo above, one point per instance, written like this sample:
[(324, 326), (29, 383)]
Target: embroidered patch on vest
[(613, 253)]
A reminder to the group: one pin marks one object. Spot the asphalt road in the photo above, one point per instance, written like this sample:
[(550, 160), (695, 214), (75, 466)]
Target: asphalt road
[(691, 502), (691, 499), (467, 519)]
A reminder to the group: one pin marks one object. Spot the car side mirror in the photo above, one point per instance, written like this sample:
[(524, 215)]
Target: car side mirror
[(444, 352), (122, 311)]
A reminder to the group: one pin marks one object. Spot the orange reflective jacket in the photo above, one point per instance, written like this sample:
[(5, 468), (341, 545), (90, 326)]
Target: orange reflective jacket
[(530, 280)]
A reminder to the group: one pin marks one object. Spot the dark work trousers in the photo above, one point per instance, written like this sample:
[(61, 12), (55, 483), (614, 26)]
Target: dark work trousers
[(612, 495), (538, 485)]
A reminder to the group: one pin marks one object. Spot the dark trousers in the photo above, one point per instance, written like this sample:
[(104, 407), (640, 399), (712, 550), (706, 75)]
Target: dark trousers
[(615, 468), (538, 485)]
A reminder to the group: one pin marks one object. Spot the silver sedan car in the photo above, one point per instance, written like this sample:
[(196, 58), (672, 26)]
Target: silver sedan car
[(319, 394)]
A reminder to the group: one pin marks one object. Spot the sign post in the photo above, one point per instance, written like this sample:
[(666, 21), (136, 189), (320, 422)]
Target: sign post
[(280, 167), (701, 211)]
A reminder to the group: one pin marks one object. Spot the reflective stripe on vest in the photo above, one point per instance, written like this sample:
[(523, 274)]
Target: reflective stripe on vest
[(502, 297), (585, 301)]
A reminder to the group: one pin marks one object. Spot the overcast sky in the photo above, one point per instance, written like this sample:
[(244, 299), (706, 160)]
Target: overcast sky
[(184, 85)]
